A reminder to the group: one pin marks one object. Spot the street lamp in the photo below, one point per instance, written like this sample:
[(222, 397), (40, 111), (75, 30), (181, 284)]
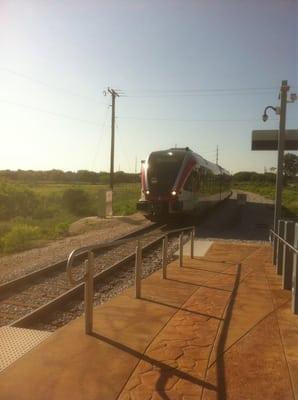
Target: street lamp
[(265, 116), (280, 157)]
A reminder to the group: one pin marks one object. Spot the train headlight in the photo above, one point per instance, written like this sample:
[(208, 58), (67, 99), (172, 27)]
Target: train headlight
[(147, 191), (174, 193)]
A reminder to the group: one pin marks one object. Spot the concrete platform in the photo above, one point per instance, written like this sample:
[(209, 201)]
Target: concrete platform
[(15, 342), (200, 248), (218, 328)]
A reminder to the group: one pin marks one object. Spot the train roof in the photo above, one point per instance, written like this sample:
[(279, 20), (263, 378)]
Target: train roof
[(216, 169)]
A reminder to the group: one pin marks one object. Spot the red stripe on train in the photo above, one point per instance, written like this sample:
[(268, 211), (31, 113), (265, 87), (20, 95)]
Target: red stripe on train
[(185, 173)]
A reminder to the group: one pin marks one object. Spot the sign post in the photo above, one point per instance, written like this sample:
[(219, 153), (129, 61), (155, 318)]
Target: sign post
[(109, 203)]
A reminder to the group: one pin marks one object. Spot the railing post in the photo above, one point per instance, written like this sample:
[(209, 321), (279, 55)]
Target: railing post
[(279, 247), (192, 237), (164, 256), (138, 270), (89, 289), (287, 267), (295, 274), (181, 250)]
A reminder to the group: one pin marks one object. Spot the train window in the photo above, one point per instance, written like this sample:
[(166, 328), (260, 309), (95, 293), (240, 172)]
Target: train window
[(163, 170)]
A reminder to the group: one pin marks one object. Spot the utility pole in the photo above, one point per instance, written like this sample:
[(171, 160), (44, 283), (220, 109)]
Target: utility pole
[(217, 155), (114, 94), (281, 146)]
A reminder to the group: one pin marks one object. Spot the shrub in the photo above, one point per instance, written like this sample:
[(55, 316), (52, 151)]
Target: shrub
[(76, 201), (4, 228), (19, 237), (61, 229), (16, 201)]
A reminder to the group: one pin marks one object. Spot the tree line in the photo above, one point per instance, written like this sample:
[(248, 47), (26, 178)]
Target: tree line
[(290, 172), (85, 176), (58, 176)]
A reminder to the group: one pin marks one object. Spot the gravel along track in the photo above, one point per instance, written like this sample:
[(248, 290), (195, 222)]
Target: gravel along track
[(111, 286), (106, 229), (47, 287)]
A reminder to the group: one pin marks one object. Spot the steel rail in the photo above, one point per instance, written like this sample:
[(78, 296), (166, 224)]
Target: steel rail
[(78, 290), (17, 283), (88, 278), (283, 241), (86, 249)]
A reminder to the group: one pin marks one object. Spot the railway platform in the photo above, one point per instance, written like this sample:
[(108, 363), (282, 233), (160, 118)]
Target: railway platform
[(219, 327)]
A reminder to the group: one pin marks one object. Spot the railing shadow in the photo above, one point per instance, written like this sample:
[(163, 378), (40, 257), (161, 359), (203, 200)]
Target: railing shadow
[(199, 285), (181, 308), (208, 270), (220, 365), (166, 371)]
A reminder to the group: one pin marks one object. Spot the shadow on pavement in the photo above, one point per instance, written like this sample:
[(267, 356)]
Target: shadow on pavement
[(230, 220), (220, 365), (166, 372)]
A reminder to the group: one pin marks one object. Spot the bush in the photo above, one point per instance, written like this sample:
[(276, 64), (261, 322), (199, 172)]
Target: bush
[(76, 201), (4, 228), (246, 176), (16, 201), (61, 229), (19, 237)]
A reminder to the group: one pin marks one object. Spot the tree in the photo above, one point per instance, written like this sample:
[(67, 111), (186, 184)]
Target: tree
[(290, 165)]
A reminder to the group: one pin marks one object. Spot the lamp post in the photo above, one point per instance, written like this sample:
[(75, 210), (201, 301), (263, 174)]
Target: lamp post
[(280, 160), (265, 116)]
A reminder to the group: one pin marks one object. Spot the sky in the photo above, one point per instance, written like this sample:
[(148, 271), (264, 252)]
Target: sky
[(194, 73)]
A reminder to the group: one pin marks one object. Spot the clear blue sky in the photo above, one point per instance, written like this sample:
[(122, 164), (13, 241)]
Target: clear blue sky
[(57, 56)]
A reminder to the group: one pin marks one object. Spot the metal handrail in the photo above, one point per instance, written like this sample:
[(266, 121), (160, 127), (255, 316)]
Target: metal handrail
[(287, 263), (283, 241), (86, 249), (88, 277)]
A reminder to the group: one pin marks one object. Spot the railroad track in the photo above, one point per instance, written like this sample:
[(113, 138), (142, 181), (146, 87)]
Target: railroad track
[(14, 285), (29, 300)]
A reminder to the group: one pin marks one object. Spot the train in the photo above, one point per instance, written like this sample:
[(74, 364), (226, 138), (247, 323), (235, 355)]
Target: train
[(178, 182)]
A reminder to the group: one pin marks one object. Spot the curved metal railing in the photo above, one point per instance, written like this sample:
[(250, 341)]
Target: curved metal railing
[(88, 276)]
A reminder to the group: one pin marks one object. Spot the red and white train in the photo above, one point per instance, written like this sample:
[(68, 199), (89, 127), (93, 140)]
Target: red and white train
[(178, 181)]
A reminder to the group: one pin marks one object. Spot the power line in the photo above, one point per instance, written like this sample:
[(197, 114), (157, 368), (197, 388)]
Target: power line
[(243, 89), (200, 92), (193, 95), (50, 112), (189, 120), (49, 86), (97, 123)]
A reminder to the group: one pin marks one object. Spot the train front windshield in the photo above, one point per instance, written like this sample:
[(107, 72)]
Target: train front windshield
[(163, 169)]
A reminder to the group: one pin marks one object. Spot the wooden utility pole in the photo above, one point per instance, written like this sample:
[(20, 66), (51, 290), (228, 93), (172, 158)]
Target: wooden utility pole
[(114, 94), (217, 155)]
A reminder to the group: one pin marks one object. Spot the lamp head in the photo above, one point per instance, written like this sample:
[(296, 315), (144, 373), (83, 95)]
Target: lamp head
[(264, 117)]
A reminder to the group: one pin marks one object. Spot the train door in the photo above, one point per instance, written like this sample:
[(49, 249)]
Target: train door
[(188, 192)]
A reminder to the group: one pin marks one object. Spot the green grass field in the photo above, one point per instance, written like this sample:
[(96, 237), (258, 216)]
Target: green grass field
[(290, 194), (31, 214)]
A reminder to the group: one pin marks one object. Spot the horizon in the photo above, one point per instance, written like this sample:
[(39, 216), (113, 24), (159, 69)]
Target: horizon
[(191, 74)]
